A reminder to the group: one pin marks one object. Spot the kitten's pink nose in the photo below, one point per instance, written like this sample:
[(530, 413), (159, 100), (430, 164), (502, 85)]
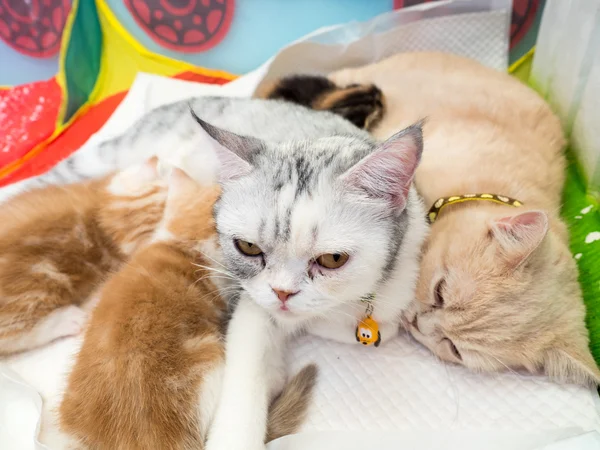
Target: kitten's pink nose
[(283, 296)]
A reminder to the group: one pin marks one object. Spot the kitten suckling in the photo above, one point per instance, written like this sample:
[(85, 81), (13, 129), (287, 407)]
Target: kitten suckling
[(149, 373), (306, 187), (58, 244)]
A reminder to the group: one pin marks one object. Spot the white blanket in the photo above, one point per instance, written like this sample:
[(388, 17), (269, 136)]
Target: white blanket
[(397, 394)]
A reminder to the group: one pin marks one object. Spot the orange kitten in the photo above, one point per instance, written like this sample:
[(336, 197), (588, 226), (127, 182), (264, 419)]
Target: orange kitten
[(498, 286), (149, 372), (57, 244)]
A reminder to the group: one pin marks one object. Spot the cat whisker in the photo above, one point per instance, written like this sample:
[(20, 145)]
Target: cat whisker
[(212, 259), (213, 269), (512, 371), (222, 274)]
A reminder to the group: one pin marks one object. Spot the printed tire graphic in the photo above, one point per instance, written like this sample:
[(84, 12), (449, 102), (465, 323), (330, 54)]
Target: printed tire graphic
[(33, 27), (183, 25)]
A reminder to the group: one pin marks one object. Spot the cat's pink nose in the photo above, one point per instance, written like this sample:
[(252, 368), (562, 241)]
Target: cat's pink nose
[(283, 296)]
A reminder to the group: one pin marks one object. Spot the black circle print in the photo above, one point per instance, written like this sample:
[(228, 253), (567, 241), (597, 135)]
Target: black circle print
[(183, 25), (33, 27)]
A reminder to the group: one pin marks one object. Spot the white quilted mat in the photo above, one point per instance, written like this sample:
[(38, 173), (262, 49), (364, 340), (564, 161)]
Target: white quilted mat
[(395, 396), (401, 386)]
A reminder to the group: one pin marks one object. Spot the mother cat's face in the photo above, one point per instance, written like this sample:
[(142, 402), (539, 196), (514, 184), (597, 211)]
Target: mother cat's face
[(300, 257), (501, 294), (306, 226)]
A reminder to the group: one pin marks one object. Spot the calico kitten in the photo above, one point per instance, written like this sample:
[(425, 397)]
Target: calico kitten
[(149, 372), (57, 246), (498, 287), (363, 105)]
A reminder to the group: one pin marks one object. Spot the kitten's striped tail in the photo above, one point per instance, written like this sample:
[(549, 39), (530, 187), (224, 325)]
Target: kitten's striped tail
[(288, 411)]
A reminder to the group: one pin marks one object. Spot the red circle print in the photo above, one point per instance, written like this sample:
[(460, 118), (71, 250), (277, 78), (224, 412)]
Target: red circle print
[(33, 27), (183, 25), (523, 15)]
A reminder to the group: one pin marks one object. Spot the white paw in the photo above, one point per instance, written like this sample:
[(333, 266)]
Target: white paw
[(66, 321)]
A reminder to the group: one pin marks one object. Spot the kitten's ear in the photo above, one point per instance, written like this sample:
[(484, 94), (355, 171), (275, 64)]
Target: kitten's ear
[(147, 171), (233, 151), (150, 168), (180, 183), (387, 173), (520, 235), (572, 365)]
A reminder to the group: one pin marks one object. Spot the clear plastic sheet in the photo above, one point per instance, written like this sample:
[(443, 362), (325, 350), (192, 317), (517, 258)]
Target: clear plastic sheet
[(566, 71)]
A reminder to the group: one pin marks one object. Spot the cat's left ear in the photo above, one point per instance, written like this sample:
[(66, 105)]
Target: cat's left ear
[(388, 172), (520, 235), (234, 152)]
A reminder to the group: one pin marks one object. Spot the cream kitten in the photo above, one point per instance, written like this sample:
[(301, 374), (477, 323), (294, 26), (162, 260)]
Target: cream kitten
[(498, 286)]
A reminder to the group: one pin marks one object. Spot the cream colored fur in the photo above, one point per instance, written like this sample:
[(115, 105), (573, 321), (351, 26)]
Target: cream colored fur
[(509, 296)]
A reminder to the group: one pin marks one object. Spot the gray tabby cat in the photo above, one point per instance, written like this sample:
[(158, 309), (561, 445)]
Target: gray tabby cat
[(171, 127), (319, 227)]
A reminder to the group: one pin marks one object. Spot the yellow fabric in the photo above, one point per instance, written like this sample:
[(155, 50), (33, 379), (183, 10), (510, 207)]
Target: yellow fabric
[(123, 57), (522, 67), (60, 79)]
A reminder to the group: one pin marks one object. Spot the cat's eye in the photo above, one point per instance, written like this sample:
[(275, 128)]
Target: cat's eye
[(453, 349), (438, 294), (248, 248), (332, 260)]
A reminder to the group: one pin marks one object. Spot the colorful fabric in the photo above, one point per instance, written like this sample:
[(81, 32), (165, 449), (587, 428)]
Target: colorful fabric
[(99, 61)]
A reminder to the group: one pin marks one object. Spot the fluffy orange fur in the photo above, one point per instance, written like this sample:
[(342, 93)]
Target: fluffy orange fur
[(154, 338), (58, 244), (148, 374), (498, 287)]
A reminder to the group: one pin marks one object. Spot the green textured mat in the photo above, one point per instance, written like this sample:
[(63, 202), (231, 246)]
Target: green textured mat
[(581, 213)]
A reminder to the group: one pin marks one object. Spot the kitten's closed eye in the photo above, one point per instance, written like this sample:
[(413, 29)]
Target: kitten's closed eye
[(438, 294), (332, 260), (248, 248), (452, 348)]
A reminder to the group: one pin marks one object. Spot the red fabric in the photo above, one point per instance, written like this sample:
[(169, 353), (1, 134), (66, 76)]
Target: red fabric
[(28, 116), (33, 27), (69, 141)]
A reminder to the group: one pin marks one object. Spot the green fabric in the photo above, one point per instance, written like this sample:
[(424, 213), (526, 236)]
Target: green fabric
[(582, 214), (82, 59), (583, 217)]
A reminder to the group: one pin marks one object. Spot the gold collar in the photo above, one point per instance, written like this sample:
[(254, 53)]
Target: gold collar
[(440, 203)]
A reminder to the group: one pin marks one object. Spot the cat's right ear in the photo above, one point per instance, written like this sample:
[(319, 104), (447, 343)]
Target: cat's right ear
[(234, 152), (520, 235), (387, 173)]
